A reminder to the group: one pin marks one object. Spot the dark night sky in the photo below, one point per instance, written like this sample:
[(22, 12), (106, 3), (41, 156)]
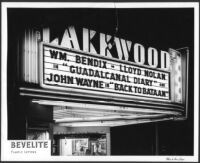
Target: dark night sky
[(160, 28)]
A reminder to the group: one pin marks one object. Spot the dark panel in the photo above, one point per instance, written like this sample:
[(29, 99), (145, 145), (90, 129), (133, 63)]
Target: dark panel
[(17, 119), (175, 138), (39, 113), (133, 140)]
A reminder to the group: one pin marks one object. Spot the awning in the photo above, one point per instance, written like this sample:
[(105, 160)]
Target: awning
[(77, 111)]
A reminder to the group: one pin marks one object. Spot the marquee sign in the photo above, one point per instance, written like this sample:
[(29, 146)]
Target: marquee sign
[(66, 69)]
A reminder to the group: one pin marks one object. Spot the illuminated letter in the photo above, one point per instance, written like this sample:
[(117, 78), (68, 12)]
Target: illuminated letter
[(126, 46), (69, 39), (139, 54), (46, 37), (87, 44), (152, 57), (165, 60), (118, 47), (104, 45)]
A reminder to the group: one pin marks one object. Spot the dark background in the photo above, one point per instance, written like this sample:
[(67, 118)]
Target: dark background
[(159, 28)]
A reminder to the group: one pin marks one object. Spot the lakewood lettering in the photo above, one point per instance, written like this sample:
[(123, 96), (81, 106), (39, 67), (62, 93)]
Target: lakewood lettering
[(107, 44)]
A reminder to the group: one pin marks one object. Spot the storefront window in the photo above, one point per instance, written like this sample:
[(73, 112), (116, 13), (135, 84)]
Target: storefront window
[(80, 145), (98, 147)]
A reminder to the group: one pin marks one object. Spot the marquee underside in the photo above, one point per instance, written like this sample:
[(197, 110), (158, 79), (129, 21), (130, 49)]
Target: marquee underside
[(81, 110), (72, 114)]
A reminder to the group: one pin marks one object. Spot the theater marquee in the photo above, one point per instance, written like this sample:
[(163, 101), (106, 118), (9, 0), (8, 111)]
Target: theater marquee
[(74, 70)]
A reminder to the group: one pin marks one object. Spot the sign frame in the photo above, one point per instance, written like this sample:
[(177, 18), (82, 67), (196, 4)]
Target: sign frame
[(94, 92)]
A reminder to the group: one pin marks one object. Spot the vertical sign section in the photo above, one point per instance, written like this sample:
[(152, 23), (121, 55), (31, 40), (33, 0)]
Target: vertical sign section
[(26, 57), (30, 56), (23, 57), (65, 69), (38, 35), (176, 75)]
